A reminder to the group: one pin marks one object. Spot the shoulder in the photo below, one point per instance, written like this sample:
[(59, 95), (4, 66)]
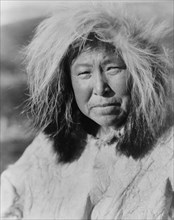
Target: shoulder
[(16, 176), (160, 161), (164, 148), (39, 150)]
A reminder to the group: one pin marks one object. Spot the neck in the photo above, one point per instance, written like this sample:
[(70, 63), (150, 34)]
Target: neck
[(109, 132), (105, 131)]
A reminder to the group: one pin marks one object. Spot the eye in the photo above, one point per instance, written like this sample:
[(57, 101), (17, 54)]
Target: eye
[(84, 74), (115, 69), (111, 68)]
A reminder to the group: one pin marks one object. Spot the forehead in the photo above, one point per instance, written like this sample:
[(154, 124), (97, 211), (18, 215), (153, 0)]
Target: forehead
[(99, 55)]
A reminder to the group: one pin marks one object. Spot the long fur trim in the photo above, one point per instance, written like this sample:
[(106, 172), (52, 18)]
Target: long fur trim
[(138, 42)]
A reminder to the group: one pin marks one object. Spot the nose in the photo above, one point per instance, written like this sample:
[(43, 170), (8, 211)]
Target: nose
[(100, 85)]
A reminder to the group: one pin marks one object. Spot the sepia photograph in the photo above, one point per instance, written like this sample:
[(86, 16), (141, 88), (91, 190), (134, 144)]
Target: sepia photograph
[(87, 110)]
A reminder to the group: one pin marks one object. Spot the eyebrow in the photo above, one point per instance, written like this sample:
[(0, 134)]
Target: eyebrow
[(114, 61), (82, 65), (118, 62)]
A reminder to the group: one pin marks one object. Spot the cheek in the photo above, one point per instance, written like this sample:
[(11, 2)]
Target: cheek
[(119, 85), (126, 103), (82, 93)]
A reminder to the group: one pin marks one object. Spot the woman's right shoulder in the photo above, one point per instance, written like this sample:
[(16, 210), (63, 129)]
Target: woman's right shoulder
[(38, 155), (39, 152)]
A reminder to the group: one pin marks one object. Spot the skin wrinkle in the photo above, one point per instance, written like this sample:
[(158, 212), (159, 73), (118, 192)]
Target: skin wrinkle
[(88, 88)]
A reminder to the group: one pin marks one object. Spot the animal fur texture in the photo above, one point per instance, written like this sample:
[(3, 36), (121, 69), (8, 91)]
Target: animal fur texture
[(138, 42)]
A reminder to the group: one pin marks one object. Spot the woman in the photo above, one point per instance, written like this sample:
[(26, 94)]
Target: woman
[(100, 99)]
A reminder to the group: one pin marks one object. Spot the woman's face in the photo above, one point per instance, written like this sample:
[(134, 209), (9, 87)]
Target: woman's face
[(99, 81)]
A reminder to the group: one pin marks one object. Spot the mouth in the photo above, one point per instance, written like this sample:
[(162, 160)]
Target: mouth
[(106, 109), (117, 104)]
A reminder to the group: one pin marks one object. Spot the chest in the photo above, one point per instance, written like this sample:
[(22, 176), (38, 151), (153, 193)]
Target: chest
[(99, 186)]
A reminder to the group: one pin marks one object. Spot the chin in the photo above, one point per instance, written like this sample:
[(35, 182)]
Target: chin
[(112, 121)]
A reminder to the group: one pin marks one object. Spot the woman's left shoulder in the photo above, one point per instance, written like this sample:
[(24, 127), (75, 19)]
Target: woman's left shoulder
[(165, 145), (162, 157)]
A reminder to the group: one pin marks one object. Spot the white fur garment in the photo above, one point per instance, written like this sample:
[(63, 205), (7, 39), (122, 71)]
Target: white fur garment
[(99, 185)]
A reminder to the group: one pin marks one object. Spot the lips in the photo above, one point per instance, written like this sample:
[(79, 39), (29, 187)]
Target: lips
[(107, 108), (117, 104)]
